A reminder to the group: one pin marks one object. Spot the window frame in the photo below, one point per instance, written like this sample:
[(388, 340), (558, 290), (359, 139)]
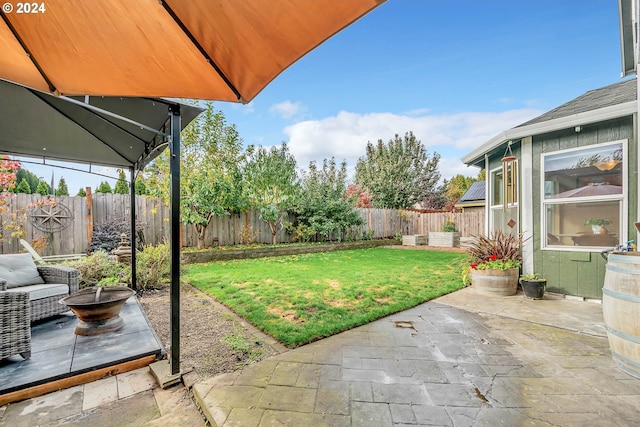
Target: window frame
[(622, 198)]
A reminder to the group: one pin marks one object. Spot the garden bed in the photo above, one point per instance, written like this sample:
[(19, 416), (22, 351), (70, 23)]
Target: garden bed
[(279, 250)]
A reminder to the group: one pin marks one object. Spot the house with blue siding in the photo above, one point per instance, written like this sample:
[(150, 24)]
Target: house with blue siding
[(573, 192)]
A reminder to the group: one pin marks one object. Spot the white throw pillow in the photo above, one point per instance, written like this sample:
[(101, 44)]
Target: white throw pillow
[(19, 270)]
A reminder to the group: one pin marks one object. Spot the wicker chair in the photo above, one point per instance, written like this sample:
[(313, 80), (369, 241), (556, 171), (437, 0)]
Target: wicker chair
[(15, 325), (48, 306)]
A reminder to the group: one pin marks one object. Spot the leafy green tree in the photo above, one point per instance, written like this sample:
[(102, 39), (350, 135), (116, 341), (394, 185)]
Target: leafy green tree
[(270, 184), (23, 187), (82, 193), (324, 205), (31, 178), (457, 186), (43, 188), (140, 187), (104, 187), (62, 189), (400, 173), (122, 187), (211, 182)]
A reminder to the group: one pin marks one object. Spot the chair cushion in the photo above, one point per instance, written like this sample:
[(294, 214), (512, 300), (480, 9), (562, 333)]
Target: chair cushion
[(43, 291), (19, 270)]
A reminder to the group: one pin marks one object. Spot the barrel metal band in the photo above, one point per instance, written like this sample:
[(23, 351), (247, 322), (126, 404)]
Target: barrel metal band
[(620, 296), (623, 259), (617, 269), (625, 359), (623, 335)]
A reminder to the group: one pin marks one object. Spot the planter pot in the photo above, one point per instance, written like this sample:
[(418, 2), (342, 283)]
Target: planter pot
[(450, 239), (414, 240), (496, 282), (533, 289)]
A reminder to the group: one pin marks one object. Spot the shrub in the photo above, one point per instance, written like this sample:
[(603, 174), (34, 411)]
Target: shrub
[(100, 269), (108, 235), (301, 232), (94, 269), (497, 246), (153, 266), (449, 226)]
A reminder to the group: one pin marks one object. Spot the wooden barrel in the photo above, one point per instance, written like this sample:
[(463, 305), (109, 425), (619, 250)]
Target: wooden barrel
[(621, 310), (495, 282)]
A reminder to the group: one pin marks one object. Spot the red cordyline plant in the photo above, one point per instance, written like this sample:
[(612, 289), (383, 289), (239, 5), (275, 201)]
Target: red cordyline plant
[(499, 250)]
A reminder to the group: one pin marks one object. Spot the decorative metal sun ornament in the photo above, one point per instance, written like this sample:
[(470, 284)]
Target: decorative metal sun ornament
[(51, 217)]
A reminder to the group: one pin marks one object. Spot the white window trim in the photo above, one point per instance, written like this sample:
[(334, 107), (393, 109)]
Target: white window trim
[(624, 213)]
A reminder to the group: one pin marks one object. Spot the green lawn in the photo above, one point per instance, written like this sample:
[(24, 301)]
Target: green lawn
[(299, 299)]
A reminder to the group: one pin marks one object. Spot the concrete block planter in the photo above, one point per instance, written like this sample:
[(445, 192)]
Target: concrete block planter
[(450, 239), (414, 239)]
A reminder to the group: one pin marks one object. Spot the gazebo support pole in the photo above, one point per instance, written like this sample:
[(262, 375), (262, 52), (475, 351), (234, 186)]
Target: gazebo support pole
[(174, 165), (132, 211)]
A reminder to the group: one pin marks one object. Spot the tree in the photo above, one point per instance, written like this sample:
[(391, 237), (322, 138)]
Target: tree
[(31, 178), (211, 182), (82, 193), (104, 187), (43, 188), (121, 185), (362, 196), (270, 184), (455, 188), (324, 205), (140, 187), (399, 174), (436, 199), (23, 187), (62, 189), (8, 173)]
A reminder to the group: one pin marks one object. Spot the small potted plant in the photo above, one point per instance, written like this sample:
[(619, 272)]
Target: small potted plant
[(597, 225), (533, 285), (448, 237)]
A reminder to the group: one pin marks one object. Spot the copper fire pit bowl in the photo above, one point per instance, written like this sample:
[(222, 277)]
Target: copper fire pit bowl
[(98, 308)]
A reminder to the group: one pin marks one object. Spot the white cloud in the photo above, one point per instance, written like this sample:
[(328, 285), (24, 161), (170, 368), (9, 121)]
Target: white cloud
[(287, 109), (345, 135)]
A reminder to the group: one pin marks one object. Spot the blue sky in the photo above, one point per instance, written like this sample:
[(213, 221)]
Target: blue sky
[(456, 73)]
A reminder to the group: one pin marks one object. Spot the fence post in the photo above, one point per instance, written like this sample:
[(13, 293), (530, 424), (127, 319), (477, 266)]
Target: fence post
[(89, 202)]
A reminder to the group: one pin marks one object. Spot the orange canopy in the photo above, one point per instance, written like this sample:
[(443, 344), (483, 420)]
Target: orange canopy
[(226, 50)]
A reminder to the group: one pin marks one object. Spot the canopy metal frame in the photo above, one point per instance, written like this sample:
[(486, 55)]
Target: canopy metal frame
[(166, 137)]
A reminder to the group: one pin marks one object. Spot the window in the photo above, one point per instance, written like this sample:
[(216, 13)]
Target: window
[(583, 196)]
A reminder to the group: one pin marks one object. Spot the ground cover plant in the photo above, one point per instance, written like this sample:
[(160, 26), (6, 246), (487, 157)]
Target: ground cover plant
[(299, 299)]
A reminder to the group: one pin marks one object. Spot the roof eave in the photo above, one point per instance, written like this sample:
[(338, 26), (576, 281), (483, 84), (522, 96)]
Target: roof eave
[(625, 15), (478, 204), (593, 116)]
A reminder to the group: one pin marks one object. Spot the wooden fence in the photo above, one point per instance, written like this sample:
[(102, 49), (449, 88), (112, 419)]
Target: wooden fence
[(81, 214)]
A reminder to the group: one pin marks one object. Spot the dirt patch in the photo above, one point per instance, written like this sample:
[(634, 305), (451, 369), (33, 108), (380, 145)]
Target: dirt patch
[(288, 315), (213, 339)]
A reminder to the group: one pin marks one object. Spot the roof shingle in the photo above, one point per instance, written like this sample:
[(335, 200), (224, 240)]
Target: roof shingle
[(617, 93)]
